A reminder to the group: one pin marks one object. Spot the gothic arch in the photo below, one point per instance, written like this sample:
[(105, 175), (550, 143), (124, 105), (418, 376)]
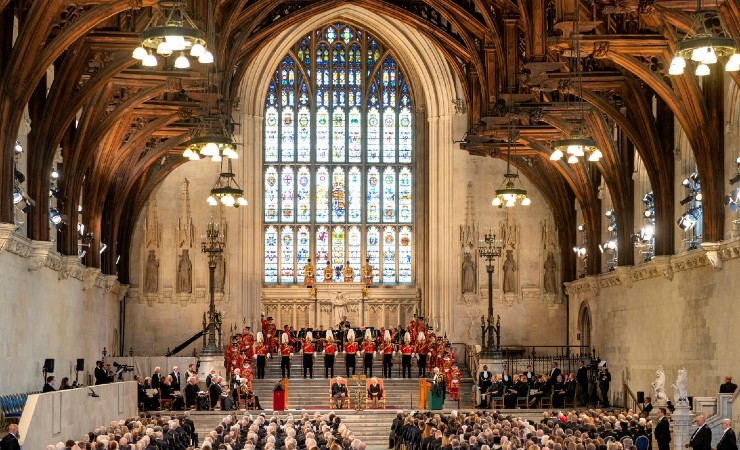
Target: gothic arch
[(585, 328), (435, 88)]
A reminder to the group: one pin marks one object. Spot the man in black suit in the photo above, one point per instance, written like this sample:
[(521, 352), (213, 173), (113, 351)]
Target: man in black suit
[(554, 372), (10, 441), (49, 386), (582, 379), (215, 390), (101, 376), (485, 379), (191, 393), (701, 439), (339, 392), (728, 441), (175, 378), (662, 431), (728, 387)]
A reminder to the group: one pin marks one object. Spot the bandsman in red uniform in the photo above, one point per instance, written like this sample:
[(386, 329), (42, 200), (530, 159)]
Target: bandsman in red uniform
[(413, 329), (407, 351), (422, 352), (247, 345), (261, 353), (286, 351), (308, 350), (368, 350), (389, 350), (350, 349), (330, 350), (455, 377), (271, 335)]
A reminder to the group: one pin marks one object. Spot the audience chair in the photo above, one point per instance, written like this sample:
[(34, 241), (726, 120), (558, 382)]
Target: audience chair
[(546, 401), (642, 443), (165, 401), (497, 402), (523, 402)]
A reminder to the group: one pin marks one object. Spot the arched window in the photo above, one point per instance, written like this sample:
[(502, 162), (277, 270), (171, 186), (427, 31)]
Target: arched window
[(338, 160)]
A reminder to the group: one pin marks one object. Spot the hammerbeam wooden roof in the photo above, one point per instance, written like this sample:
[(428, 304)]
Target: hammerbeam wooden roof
[(121, 128)]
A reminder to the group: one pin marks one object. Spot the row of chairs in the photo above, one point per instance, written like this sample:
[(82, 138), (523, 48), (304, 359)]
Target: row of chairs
[(12, 407), (642, 442), (545, 402)]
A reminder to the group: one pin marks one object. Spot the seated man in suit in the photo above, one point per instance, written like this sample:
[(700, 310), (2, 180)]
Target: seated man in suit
[(512, 392), (339, 392), (496, 389), (540, 388), (374, 392), (215, 391), (728, 387), (49, 386), (191, 393)]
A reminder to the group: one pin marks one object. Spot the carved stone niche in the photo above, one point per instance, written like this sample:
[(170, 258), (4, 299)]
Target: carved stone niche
[(39, 253)]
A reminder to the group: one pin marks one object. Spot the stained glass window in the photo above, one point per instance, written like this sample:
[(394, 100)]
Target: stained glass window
[(338, 160)]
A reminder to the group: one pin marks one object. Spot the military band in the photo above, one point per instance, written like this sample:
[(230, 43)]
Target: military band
[(330, 349), (350, 350), (368, 350), (308, 354), (286, 351)]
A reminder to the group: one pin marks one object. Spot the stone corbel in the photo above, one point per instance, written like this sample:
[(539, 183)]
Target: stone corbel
[(39, 253), (711, 251), (71, 267), (6, 230), (19, 245), (89, 278), (166, 295), (110, 282), (624, 273), (593, 285), (663, 264), (120, 290)]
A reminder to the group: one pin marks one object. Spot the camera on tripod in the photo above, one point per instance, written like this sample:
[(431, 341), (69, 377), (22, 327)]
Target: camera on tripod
[(122, 368)]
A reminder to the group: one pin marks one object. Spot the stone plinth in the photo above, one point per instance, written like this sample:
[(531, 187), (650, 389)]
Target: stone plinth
[(682, 422)]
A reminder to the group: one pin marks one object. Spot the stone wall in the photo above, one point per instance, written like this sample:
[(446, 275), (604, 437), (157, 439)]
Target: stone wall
[(678, 311), (53, 307)]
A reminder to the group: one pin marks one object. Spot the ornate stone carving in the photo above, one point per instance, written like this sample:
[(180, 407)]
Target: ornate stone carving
[(601, 49), (152, 227), (110, 282), (593, 284), (70, 267), (53, 261), (185, 227), (89, 277), (173, 84), (624, 274), (39, 253), (458, 106), (711, 251), (663, 266)]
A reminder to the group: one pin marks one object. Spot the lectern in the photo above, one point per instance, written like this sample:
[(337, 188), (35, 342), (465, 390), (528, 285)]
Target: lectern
[(424, 387)]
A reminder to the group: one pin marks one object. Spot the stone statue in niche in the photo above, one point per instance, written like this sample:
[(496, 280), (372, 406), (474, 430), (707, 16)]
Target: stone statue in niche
[(328, 273), (550, 267), (349, 273), (184, 274), (468, 274), (185, 229), (219, 273), (309, 274), (509, 269), (151, 274)]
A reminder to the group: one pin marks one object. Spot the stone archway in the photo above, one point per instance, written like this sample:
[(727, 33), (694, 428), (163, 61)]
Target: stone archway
[(436, 87), (584, 328)]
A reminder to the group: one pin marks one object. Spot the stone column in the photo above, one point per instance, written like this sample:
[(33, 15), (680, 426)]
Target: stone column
[(682, 426)]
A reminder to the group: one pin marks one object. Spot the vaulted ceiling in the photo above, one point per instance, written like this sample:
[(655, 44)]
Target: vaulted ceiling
[(121, 127)]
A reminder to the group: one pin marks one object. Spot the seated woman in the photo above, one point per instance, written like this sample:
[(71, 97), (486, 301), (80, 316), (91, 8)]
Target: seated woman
[(540, 388), (558, 393), (511, 393), (374, 392)]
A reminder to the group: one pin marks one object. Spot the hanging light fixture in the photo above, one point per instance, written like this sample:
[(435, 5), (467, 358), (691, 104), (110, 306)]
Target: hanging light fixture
[(211, 139), (172, 31), (227, 190), (508, 193), (704, 45), (578, 144)]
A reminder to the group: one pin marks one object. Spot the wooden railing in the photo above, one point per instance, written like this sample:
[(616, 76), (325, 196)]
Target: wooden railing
[(630, 400)]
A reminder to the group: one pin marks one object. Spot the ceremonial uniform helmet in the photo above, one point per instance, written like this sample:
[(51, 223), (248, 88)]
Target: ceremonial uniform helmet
[(368, 334), (309, 336), (387, 335), (407, 337), (284, 338), (329, 335), (260, 337), (351, 334)]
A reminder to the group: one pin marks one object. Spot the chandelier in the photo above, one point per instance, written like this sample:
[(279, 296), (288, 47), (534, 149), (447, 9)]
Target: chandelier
[(211, 139), (508, 193), (172, 31), (227, 190), (704, 45), (578, 144)]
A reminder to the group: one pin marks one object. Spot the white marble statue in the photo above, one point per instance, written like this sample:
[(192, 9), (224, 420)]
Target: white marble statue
[(681, 394), (659, 386)]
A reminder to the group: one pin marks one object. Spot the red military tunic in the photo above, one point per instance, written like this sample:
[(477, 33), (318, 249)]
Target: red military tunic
[(368, 347), (330, 348), (286, 349), (388, 348), (407, 349), (308, 348), (351, 348), (261, 349)]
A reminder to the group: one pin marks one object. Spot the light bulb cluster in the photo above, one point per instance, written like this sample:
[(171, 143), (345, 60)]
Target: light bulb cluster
[(704, 47), (211, 146), (227, 190), (172, 32), (508, 195), (575, 147)]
